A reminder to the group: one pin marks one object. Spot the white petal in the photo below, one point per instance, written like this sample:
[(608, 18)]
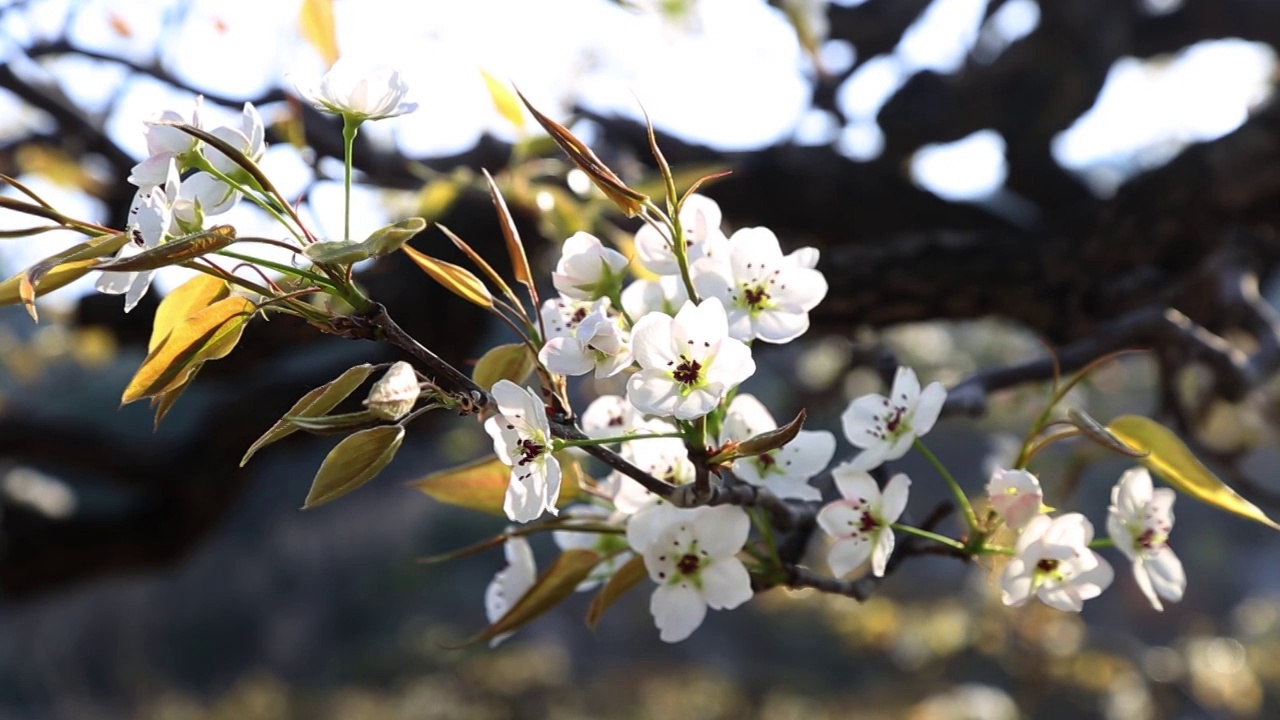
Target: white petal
[(780, 326), (732, 364), (1016, 582), (654, 392), (1091, 583), (725, 583), (848, 553), (792, 488), (855, 484), (137, 288), (721, 530), (882, 550), (906, 387), (808, 454), (550, 484), (651, 342), (745, 418), (894, 499), (566, 356), (928, 409), (1165, 573), (870, 459), (677, 610), (840, 518), (861, 419), (521, 503)]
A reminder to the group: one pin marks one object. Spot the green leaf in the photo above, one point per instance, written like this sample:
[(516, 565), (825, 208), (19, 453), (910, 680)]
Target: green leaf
[(390, 238), (623, 579), (314, 404), (209, 334), (511, 362), (555, 584), (504, 100), (354, 462), (1169, 458)]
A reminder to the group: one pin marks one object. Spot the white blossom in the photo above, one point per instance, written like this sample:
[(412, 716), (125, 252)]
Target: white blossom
[(693, 559), (700, 225), (666, 459), (1016, 495), (1053, 562), (610, 416), (860, 521), (149, 221), (688, 363), (786, 470), (522, 439), (352, 91), (1139, 522), (598, 343), (665, 294), (165, 143), (249, 139), (886, 427), (766, 295), (201, 196), (510, 583), (588, 270)]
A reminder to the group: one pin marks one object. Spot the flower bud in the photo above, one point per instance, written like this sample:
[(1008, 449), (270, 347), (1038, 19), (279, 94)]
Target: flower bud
[(395, 394), (337, 252)]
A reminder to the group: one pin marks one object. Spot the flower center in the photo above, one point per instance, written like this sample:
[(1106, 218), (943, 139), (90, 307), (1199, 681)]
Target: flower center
[(1152, 539), (755, 297), (529, 451), (688, 564), (687, 372), (1049, 568), (578, 316)]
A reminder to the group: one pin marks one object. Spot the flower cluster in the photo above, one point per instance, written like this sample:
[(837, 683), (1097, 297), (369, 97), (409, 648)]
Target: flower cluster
[(1053, 559), (181, 182)]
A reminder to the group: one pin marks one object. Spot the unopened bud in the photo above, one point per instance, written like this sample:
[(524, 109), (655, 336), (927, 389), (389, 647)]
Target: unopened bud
[(339, 252), (395, 394)]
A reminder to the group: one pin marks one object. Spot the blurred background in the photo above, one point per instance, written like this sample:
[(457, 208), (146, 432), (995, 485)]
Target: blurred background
[(985, 179)]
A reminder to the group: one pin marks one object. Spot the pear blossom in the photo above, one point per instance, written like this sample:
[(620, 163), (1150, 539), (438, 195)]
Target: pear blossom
[(588, 270), (610, 546), (598, 343), (805, 257), (665, 294), (886, 427), (522, 439), (786, 470), (1054, 563), (693, 559), (510, 583), (1016, 496), (860, 521), (359, 93), (203, 195), (767, 296), (699, 223), (149, 221), (1139, 521), (688, 363)]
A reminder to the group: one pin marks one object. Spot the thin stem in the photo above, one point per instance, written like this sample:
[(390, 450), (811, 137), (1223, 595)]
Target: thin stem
[(1102, 543), (971, 518), (590, 442), (935, 537), (349, 127), (1047, 441), (285, 269)]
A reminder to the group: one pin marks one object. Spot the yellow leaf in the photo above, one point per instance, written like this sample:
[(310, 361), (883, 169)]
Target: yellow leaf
[(622, 580), (457, 280), (555, 584), (482, 484), (511, 362), (313, 404), (515, 246), (188, 299), (58, 270), (504, 100), (208, 335), (175, 252), (480, 262), (315, 23), (354, 462), (1169, 458)]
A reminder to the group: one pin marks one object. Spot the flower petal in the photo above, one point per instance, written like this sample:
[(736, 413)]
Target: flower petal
[(848, 553), (721, 530), (894, 499), (928, 409), (856, 484), (677, 610), (725, 584)]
